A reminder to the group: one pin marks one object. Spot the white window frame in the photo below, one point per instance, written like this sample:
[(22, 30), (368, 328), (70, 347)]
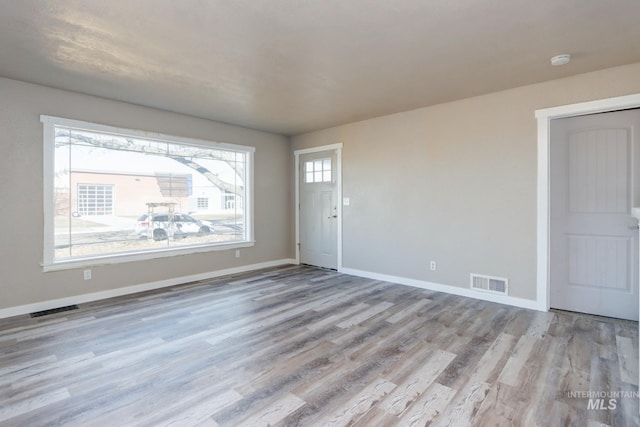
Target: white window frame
[(50, 264)]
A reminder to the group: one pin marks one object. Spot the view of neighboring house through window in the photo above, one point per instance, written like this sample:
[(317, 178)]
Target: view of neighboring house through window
[(118, 193)]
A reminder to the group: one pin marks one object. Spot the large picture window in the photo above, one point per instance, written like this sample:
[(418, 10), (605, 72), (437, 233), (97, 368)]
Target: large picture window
[(116, 194)]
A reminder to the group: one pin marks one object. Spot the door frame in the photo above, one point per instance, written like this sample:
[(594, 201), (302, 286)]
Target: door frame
[(338, 171), (544, 117)]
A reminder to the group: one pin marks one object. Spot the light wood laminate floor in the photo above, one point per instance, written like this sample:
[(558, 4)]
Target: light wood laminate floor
[(298, 346)]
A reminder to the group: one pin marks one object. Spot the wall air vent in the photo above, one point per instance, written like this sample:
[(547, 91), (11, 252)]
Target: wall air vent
[(53, 311), (496, 285)]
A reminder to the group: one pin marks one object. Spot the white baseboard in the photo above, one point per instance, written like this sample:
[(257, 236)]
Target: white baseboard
[(95, 296), (501, 299)]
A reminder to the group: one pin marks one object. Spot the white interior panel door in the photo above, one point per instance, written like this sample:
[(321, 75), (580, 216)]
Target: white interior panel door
[(318, 209), (594, 238)]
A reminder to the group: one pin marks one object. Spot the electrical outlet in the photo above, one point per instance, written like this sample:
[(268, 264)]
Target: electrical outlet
[(87, 274), (237, 253), (433, 265)]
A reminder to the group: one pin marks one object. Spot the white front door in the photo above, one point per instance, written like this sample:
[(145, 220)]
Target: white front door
[(318, 209), (594, 183)]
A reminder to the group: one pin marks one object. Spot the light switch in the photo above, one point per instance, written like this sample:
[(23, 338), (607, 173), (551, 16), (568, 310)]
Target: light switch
[(346, 201)]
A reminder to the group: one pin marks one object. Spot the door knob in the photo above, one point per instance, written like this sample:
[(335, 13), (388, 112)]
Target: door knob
[(634, 227), (333, 216)]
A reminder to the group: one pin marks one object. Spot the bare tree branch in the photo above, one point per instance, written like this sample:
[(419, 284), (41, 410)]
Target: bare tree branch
[(186, 155)]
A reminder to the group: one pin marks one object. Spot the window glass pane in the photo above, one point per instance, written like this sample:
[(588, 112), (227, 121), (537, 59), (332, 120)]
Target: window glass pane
[(317, 176), (309, 177), (326, 176), (117, 194), (317, 165), (308, 167), (326, 164)]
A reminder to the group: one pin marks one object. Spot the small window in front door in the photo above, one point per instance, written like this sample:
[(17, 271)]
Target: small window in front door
[(317, 171)]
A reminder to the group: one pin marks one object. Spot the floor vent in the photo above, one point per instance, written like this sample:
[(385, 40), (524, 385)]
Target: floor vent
[(497, 285), (53, 311)]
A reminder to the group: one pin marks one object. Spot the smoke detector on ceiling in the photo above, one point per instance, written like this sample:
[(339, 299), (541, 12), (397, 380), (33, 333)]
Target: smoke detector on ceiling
[(561, 59)]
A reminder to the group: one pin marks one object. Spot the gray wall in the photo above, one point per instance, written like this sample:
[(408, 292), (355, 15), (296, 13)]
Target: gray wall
[(21, 181), (454, 183)]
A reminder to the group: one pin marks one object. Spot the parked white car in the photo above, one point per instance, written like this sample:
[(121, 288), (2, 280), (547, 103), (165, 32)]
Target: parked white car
[(163, 225)]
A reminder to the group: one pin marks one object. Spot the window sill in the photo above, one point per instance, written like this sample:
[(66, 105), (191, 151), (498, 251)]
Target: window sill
[(144, 256)]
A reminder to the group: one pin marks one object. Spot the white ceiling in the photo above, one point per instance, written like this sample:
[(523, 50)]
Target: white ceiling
[(291, 66)]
